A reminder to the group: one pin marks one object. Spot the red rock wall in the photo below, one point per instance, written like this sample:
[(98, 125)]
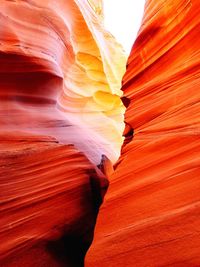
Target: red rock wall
[(151, 213), (60, 74), (50, 192)]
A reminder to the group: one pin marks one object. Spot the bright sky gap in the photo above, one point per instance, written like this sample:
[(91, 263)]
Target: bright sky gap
[(123, 19)]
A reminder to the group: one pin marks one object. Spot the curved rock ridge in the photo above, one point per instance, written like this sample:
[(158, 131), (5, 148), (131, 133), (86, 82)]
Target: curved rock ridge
[(151, 213), (60, 116), (60, 74), (50, 194)]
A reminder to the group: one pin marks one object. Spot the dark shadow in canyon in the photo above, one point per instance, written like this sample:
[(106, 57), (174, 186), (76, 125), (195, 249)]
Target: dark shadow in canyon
[(70, 248)]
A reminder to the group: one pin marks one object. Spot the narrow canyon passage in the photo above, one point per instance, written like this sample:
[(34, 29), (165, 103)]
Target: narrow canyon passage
[(64, 90), (151, 213)]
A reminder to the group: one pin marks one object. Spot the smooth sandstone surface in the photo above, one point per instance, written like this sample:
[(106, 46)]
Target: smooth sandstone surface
[(151, 213), (60, 116), (50, 195), (60, 74)]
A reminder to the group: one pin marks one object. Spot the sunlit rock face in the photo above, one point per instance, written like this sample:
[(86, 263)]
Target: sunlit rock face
[(151, 213), (60, 78), (60, 74)]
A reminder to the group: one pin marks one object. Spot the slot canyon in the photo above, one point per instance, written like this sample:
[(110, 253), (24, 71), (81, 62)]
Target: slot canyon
[(99, 151)]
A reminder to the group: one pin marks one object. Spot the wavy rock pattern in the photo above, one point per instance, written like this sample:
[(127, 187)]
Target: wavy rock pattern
[(60, 77), (151, 214), (50, 194), (60, 74)]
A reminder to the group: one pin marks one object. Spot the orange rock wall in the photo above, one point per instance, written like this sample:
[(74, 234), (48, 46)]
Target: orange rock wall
[(50, 194), (151, 213), (60, 116), (60, 74)]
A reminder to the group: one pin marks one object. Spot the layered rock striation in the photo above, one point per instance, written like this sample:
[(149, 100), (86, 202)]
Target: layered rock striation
[(151, 213), (60, 74), (60, 116), (50, 195)]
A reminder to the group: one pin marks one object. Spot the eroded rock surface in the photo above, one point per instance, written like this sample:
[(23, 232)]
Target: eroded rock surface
[(50, 195), (60, 74), (151, 213), (60, 116)]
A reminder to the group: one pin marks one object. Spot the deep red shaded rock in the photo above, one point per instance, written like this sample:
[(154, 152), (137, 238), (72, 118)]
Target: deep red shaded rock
[(151, 214), (50, 194), (57, 64)]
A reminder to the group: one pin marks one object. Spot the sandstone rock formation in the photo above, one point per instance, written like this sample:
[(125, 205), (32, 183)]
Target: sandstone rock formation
[(60, 79), (151, 213), (61, 115), (60, 74), (50, 194)]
